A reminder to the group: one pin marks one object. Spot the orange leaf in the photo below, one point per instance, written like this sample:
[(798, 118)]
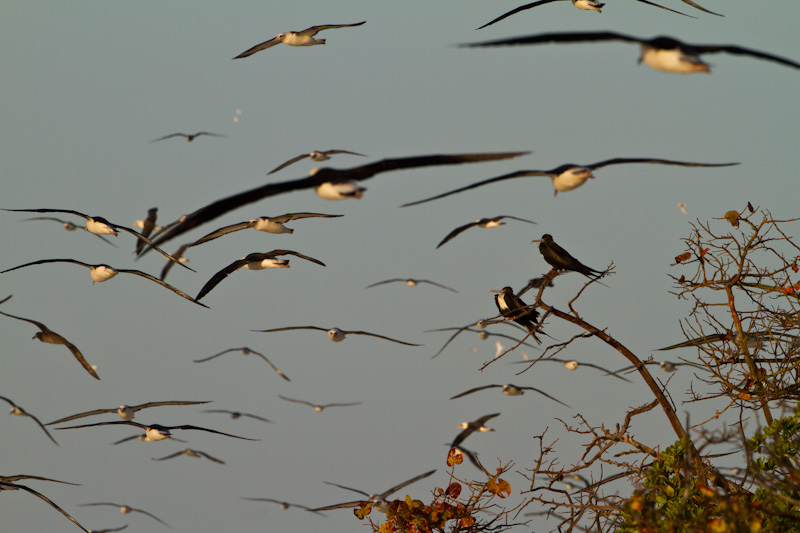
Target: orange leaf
[(683, 257), (498, 486), (363, 509), (467, 521), (454, 458), (453, 490)]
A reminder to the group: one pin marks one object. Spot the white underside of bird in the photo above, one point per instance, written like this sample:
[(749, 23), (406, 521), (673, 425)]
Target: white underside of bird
[(99, 228), (270, 262), (571, 179), (269, 226), (675, 60), (298, 39), (336, 335), (340, 191), (588, 5), (101, 273)]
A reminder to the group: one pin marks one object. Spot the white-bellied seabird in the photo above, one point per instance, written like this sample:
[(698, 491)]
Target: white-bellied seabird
[(254, 261), (560, 259), (101, 226), (148, 226), (481, 223), (513, 308), (336, 334), (569, 176), (49, 336), (246, 351), (143, 438), (265, 223), (320, 177), (189, 452), (188, 136), (155, 432), (314, 156), (13, 486), (662, 53), (125, 412), (319, 407), (378, 501), (100, 273), (282, 504), (572, 365), (411, 283), (470, 427), (340, 190), (296, 38), (70, 226), (19, 411), (509, 390), (236, 415), (125, 509)]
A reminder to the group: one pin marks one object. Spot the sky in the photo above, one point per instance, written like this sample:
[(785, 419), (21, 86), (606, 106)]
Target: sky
[(87, 86)]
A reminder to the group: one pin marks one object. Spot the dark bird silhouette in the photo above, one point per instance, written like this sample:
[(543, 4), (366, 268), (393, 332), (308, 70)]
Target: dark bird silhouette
[(51, 337), (236, 415), (314, 156), (509, 390), (190, 453), (296, 38), (125, 412), (246, 351), (188, 136), (19, 411), (411, 283), (378, 501), (481, 223), (266, 224), (319, 407), (468, 428), (147, 225), (125, 509), (254, 261), (13, 486), (560, 259), (513, 308), (336, 334)]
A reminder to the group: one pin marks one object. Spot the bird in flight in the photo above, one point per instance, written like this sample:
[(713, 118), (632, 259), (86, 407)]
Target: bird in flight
[(411, 283), (314, 156), (666, 54), (125, 509), (190, 453), (70, 226), (336, 334), (468, 428), (236, 415), (188, 136), (480, 223), (378, 501), (246, 351), (125, 412), (148, 225), (254, 261), (319, 407), (266, 224), (155, 432), (560, 259), (19, 411), (14, 486), (296, 38), (508, 390), (49, 336), (282, 504), (569, 176)]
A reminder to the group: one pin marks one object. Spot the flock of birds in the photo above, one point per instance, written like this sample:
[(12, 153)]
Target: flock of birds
[(661, 53)]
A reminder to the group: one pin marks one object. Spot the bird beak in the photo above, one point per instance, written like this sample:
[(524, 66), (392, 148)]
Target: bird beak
[(492, 290), (536, 240)]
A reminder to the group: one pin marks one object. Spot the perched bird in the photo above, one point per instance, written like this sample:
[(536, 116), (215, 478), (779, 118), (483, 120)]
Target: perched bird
[(266, 224), (336, 334), (125, 509), (317, 407), (378, 501), (246, 351), (69, 226), (177, 255), (508, 390), (19, 411), (569, 176), (319, 178), (125, 412), (101, 226), (560, 259), (188, 136), (148, 225), (49, 336), (13, 486), (282, 504), (588, 5), (513, 308), (155, 432), (660, 53), (254, 261), (411, 283), (100, 273), (296, 38), (236, 415), (481, 223), (471, 427), (190, 453), (314, 156)]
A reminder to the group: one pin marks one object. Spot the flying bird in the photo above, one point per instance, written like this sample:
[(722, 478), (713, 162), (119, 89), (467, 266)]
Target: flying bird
[(336, 334), (296, 38), (148, 225), (569, 176), (155, 432), (314, 156), (125, 509), (319, 178), (378, 501), (101, 226), (471, 427), (572, 365), (513, 308), (49, 336), (236, 415), (560, 259), (660, 53), (246, 351), (411, 283), (508, 390), (265, 223), (482, 334), (190, 453), (282, 504), (177, 255), (318, 407), (125, 412), (188, 136), (19, 411), (254, 261), (13, 486), (100, 273), (143, 438), (69, 226), (480, 223)]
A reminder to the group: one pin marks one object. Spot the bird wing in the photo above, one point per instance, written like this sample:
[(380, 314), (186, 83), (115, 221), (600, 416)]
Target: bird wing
[(114, 423), (163, 284), (257, 48), (515, 11), (662, 7), (388, 492), (215, 355), (177, 255), (476, 389), (517, 218), (222, 231), (219, 276), (701, 8), (453, 336), (41, 496), (171, 135), (347, 488), (453, 234), (436, 284), (65, 222), (379, 336), (209, 134), (287, 163), (295, 401), (80, 415), (738, 50), (43, 261), (79, 356), (332, 152), (545, 394), (275, 368), (623, 160), (12, 479), (518, 174), (558, 38), (176, 454), (294, 216), (344, 505), (261, 418), (275, 253), (342, 404), (43, 428), (289, 328), (147, 228), (150, 243), (44, 210), (716, 337), (210, 431), (313, 30), (158, 404), (154, 517), (384, 282), (204, 454)]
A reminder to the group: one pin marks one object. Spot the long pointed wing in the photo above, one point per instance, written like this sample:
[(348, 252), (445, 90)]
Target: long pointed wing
[(453, 234), (295, 401), (738, 50), (220, 232), (171, 456), (476, 389), (150, 243), (313, 30), (204, 454), (301, 256), (171, 135), (257, 48), (518, 174), (11, 479), (379, 336), (215, 355), (159, 404), (154, 517), (80, 415), (558, 38), (701, 8), (624, 160), (347, 488), (294, 216), (388, 492), (515, 11), (81, 359), (210, 431), (545, 394), (275, 368), (44, 261), (177, 255), (435, 284), (219, 276), (384, 282), (56, 507), (114, 423), (163, 284), (289, 328), (286, 164), (666, 8)]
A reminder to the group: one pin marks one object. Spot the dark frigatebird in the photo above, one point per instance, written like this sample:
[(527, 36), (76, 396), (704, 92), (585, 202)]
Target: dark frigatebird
[(513, 308), (560, 259)]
